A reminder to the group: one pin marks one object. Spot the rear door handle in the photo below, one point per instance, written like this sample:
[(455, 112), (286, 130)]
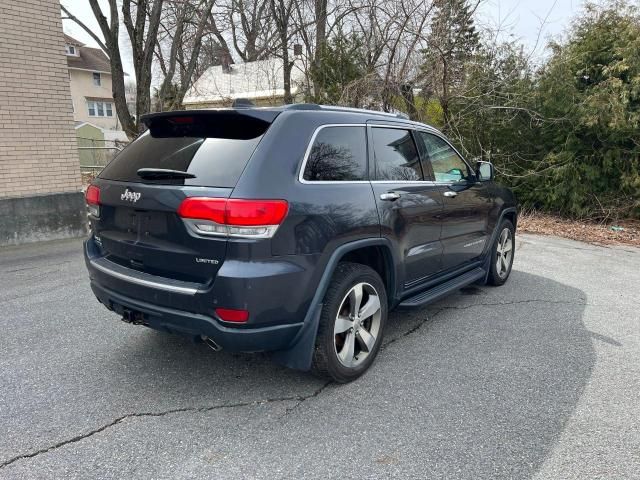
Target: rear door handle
[(389, 196), (450, 194)]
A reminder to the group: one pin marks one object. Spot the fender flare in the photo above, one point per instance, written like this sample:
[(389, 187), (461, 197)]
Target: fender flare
[(300, 353)]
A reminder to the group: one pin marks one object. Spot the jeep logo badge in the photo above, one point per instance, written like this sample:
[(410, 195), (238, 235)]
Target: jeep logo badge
[(130, 196)]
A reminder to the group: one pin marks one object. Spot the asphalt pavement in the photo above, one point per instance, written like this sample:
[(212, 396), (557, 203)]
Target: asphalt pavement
[(537, 379)]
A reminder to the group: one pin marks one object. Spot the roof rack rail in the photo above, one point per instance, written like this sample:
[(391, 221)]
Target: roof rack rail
[(302, 106), (363, 110), (337, 108)]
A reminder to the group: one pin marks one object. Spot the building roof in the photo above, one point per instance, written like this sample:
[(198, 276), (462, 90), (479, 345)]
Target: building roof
[(69, 40), (88, 58), (79, 124), (261, 79)]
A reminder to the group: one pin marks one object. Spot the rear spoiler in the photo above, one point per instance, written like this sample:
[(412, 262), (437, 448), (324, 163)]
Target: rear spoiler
[(241, 124)]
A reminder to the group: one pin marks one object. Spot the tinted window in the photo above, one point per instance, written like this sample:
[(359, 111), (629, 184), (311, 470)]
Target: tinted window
[(216, 162), (338, 154), (446, 163), (396, 155)]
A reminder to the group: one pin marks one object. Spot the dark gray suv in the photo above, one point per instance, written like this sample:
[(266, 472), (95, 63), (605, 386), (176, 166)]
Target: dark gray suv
[(292, 230)]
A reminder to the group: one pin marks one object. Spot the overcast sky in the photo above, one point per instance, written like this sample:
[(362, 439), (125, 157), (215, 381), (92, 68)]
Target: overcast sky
[(533, 22)]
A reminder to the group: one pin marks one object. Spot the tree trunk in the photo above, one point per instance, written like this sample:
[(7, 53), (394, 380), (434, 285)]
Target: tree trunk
[(321, 39), (444, 100), (120, 98), (142, 45), (281, 13), (110, 34), (176, 45), (409, 100), (286, 71)]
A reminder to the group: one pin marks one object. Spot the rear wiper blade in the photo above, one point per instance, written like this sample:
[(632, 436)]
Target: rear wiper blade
[(163, 173)]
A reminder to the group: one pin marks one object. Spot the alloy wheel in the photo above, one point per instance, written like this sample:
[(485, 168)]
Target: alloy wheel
[(504, 252), (357, 325)]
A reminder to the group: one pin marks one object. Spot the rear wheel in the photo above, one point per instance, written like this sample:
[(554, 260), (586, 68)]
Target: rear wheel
[(502, 254), (352, 323)]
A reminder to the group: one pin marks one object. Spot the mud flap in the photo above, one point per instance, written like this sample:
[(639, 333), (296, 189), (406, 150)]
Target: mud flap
[(300, 354)]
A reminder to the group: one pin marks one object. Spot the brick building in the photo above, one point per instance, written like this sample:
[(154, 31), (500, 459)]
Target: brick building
[(40, 185)]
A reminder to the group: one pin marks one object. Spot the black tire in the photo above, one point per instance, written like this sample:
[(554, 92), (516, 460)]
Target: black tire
[(497, 277), (326, 361)]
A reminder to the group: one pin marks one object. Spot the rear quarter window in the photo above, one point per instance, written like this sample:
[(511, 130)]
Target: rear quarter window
[(338, 153), (215, 162)]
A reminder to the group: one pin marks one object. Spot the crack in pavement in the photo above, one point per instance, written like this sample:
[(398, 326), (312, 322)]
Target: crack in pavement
[(412, 330), (441, 309), (299, 398), (287, 411)]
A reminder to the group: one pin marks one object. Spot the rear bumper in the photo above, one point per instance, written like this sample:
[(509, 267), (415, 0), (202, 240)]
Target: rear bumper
[(176, 321), (267, 290)]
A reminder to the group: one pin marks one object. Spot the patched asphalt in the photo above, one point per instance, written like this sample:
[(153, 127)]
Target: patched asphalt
[(537, 379)]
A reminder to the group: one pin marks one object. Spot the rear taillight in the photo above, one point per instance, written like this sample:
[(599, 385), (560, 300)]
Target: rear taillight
[(233, 217), (255, 212), (92, 197)]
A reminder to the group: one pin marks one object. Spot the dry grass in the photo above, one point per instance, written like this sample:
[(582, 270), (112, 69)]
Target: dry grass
[(582, 230)]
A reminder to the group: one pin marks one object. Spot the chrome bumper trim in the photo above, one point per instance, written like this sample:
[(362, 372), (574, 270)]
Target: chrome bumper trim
[(143, 279)]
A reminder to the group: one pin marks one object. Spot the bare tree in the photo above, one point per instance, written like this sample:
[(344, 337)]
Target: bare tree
[(142, 33), (313, 25), (251, 28), (393, 34), (182, 28), (281, 11), (187, 36)]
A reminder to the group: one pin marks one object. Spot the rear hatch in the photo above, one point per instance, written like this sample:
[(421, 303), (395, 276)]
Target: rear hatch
[(185, 154)]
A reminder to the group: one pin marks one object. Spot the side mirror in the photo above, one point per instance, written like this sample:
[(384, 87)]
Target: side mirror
[(484, 171)]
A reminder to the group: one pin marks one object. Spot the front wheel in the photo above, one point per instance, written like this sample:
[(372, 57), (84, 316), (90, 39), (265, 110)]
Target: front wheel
[(502, 254), (352, 321)]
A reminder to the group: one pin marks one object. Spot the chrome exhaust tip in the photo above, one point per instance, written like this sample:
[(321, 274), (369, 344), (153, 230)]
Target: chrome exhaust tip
[(210, 342)]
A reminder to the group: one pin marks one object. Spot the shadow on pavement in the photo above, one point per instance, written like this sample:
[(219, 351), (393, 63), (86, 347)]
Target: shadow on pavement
[(501, 372), (479, 385)]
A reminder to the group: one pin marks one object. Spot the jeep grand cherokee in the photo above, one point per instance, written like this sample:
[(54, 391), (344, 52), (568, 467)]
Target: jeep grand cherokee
[(292, 230)]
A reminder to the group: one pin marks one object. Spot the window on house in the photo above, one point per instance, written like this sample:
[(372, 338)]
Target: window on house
[(96, 79), (71, 50), (100, 109)]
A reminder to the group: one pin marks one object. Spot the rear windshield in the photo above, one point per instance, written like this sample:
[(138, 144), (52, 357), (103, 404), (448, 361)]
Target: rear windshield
[(215, 162)]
